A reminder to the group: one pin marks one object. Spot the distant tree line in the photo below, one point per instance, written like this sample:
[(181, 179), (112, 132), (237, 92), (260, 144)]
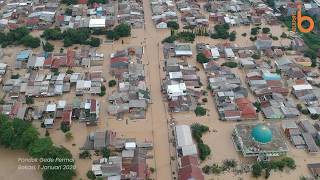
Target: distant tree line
[(72, 36), (19, 36), (19, 134)]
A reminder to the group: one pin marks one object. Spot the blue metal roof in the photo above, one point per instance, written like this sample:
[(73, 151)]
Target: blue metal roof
[(23, 55)]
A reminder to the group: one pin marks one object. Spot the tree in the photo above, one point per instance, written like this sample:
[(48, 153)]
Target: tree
[(200, 111), (221, 31), (47, 47), (204, 151), (201, 58), (90, 175), (257, 105), (39, 147), (30, 41), (206, 169), (29, 100), (68, 161), (244, 34), (314, 116), (232, 36), (112, 35), (271, 3), (169, 39), (198, 130), (97, 1), (256, 170), (289, 162), (69, 2), (123, 30), (265, 30), (230, 64), (94, 42), (47, 133), (254, 31), (173, 25), (52, 34), (105, 152), (112, 83), (29, 136)]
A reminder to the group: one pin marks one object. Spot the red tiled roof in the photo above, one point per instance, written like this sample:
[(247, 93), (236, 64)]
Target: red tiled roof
[(231, 113), (248, 112), (189, 160), (281, 90), (57, 62), (207, 53), (242, 102), (12, 26), (189, 172), (66, 116), (70, 57), (93, 106), (274, 83), (82, 1), (14, 109), (119, 59), (32, 21), (48, 62)]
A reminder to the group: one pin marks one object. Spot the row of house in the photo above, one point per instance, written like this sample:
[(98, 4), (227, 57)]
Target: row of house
[(162, 13), (129, 159), (302, 134), (191, 14), (229, 95), (132, 95), (84, 57), (187, 154), (181, 86), (48, 85), (34, 15)]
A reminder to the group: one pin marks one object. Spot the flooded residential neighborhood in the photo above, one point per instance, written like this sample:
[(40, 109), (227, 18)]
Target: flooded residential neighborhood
[(131, 89)]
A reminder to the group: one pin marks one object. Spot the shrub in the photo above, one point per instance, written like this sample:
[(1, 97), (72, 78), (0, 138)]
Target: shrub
[(233, 36), (253, 38), (205, 100), (15, 76), (244, 34), (64, 127), (256, 170), (29, 100), (206, 169), (152, 170), (84, 154), (284, 35), (200, 111), (314, 116), (90, 175), (112, 83), (265, 30), (69, 71), (305, 111), (105, 152), (230, 163), (256, 56), (198, 130), (47, 47), (68, 135), (230, 64), (254, 31)]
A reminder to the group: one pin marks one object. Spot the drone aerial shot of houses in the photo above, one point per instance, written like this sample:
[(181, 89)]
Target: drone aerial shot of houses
[(159, 89)]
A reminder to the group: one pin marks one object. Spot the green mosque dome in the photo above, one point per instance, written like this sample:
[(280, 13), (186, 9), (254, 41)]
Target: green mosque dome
[(261, 133)]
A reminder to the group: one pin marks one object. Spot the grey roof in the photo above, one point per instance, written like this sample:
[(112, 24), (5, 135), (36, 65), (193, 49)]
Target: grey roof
[(137, 104), (99, 140)]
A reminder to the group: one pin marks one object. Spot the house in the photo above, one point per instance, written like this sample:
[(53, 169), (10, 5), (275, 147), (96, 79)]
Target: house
[(99, 140), (189, 169), (97, 23), (185, 145), (175, 90), (303, 61), (182, 50), (298, 44), (48, 123), (229, 54), (162, 25), (110, 167), (314, 169), (263, 42), (66, 117), (3, 68)]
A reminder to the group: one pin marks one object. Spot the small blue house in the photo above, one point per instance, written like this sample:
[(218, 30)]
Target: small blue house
[(23, 55), (267, 75)]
